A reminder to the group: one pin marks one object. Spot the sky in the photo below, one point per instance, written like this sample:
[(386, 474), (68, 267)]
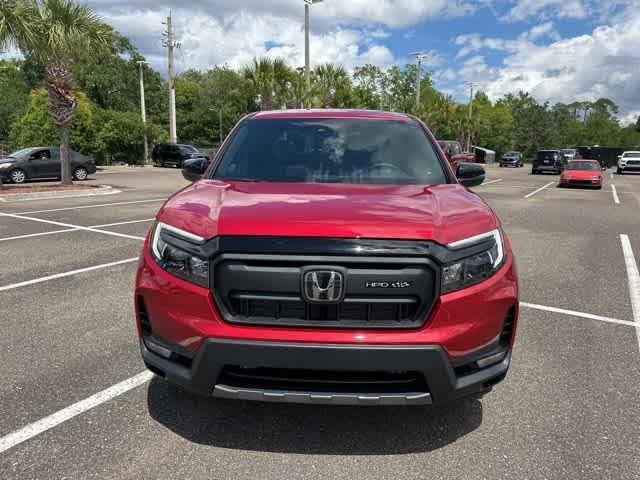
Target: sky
[(558, 50)]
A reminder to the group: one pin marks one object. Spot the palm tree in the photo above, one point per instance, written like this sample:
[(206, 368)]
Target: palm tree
[(260, 77), (332, 84), (54, 32)]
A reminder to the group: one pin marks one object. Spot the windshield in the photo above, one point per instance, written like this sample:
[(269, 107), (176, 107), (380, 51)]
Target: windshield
[(21, 153), (632, 155), (548, 155), (189, 149), (331, 151), (583, 166), (568, 151)]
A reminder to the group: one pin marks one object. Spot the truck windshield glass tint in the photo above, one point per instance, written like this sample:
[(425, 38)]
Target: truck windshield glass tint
[(331, 151)]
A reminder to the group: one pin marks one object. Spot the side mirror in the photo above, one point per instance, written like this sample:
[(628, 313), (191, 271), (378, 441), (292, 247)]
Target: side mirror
[(193, 169), (470, 174)]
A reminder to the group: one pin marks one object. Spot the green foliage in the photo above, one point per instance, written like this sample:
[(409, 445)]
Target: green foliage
[(15, 94), (108, 135), (35, 127), (119, 134)]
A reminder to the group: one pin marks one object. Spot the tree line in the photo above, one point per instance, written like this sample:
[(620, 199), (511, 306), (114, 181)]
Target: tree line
[(107, 121)]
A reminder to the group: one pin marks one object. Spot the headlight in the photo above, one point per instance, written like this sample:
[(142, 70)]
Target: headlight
[(5, 165), (176, 261), (476, 267)]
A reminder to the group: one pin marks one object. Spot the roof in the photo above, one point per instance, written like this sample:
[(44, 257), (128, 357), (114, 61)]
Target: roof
[(584, 160), (333, 113)]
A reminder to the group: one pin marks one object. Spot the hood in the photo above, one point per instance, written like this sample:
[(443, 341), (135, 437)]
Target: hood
[(582, 174), (444, 213)]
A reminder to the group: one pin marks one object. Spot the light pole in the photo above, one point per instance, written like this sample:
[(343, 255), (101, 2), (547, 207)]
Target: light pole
[(219, 110), (307, 68), (420, 56), (143, 108), (470, 85)]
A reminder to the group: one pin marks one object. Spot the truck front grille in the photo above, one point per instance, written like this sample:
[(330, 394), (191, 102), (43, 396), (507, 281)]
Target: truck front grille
[(351, 311), (377, 292)]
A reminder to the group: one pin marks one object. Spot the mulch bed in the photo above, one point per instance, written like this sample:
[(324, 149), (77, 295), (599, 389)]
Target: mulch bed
[(10, 189)]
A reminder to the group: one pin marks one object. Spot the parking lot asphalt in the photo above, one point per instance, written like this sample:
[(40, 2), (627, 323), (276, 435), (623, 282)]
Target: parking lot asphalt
[(568, 408)]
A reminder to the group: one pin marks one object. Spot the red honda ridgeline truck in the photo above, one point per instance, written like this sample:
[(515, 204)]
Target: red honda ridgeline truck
[(328, 256)]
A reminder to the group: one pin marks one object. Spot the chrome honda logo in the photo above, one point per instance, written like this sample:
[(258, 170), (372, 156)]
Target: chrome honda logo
[(323, 286)]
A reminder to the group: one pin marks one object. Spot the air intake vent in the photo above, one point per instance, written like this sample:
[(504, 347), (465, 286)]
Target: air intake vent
[(509, 326), (145, 324)]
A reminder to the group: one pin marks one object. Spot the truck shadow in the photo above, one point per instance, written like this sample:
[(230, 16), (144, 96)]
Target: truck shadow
[(310, 429)]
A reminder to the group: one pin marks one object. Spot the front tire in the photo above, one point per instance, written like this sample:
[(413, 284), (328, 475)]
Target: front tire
[(80, 174), (18, 176), (618, 171)]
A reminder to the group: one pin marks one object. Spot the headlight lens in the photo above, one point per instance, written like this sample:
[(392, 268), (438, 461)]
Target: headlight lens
[(5, 165), (176, 261), (475, 268)]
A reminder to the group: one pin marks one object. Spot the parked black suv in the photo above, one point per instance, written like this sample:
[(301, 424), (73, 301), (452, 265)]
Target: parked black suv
[(548, 161), (174, 154), (43, 162)]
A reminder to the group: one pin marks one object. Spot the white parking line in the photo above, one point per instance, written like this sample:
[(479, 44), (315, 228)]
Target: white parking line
[(492, 181), (539, 190), (80, 207), (616, 200), (66, 274), (46, 423), (633, 278), (573, 313), (69, 225), (41, 234)]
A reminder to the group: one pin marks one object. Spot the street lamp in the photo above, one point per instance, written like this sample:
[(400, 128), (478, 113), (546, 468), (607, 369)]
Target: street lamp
[(420, 56), (143, 109), (219, 110), (307, 70)]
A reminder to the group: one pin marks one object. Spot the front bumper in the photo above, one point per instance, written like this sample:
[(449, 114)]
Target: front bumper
[(634, 167), (441, 380), (581, 183)]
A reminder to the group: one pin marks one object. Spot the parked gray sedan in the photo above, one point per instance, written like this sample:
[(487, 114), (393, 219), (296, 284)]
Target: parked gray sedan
[(41, 163)]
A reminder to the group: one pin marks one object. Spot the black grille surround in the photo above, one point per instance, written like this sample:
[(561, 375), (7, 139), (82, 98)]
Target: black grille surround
[(266, 290)]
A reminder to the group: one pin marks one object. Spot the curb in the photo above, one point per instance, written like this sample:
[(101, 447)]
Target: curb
[(23, 197)]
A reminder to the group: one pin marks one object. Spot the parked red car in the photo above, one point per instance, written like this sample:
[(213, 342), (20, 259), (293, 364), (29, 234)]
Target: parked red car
[(328, 256), (582, 173), (453, 151)]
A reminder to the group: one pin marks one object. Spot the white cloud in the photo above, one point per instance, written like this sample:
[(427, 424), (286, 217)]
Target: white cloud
[(601, 64), (218, 32), (547, 9)]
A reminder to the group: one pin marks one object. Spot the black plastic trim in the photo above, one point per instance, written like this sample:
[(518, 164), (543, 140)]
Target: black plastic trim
[(429, 360)]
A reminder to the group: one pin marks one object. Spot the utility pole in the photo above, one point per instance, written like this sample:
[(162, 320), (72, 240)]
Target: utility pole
[(170, 43), (143, 109), (420, 56), (470, 85), (307, 63)]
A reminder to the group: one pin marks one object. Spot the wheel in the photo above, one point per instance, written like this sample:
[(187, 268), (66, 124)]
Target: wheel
[(501, 165), (619, 171), (534, 172), (80, 173), (18, 176)]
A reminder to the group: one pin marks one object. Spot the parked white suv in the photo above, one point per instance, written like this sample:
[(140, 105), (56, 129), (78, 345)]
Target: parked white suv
[(629, 161)]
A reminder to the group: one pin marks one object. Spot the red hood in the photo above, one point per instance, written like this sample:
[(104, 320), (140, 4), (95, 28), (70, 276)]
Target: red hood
[(444, 213), (582, 174)]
